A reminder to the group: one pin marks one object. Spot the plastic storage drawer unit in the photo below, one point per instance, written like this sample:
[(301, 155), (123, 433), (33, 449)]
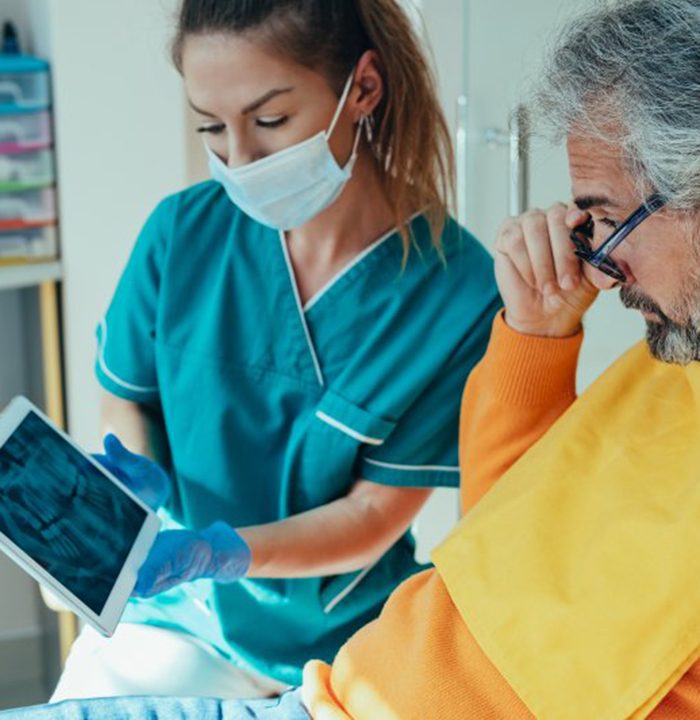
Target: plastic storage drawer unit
[(25, 131), (27, 243), (28, 206), (26, 170), (24, 84)]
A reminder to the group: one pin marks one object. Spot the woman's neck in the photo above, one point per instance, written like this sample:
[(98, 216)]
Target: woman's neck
[(360, 216)]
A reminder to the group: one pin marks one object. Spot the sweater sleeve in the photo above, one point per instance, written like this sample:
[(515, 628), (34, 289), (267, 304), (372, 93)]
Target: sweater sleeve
[(516, 393)]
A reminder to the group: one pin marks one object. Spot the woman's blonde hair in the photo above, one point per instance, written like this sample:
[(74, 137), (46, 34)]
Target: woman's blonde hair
[(411, 142)]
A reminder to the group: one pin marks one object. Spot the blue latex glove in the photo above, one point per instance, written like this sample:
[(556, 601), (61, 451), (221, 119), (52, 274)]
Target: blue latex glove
[(218, 553), (146, 479), (178, 556)]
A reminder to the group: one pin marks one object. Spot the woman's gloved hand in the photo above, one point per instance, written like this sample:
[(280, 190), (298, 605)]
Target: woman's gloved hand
[(177, 556), (145, 478), (218, 553)]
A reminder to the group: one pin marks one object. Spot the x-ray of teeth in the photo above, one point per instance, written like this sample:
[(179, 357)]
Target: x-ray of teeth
[(63, 513)]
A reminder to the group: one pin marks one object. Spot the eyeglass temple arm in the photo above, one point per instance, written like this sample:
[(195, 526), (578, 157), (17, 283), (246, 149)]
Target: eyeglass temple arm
[(652, 205)]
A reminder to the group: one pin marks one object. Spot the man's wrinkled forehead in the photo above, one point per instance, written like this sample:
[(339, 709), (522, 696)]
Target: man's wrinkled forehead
[(598, 176)]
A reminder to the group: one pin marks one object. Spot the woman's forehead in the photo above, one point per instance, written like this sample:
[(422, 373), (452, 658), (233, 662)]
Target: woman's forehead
[(234, 71)]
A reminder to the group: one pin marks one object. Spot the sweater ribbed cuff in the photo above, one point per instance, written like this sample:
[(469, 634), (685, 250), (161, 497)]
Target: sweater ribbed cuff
[(529, 370)]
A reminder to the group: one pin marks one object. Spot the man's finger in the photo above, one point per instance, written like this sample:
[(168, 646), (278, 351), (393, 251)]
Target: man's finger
[(567, 265), (538, 243), (510, 244)]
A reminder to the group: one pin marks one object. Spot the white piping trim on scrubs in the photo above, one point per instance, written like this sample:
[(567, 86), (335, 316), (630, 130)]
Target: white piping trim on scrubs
[(348, 430), (347, 590), (114, 378), (347, 269), (414, 468), (368, 251), (302, 317)]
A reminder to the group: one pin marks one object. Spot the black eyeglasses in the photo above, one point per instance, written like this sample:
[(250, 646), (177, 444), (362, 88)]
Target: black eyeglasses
[(582, 238)]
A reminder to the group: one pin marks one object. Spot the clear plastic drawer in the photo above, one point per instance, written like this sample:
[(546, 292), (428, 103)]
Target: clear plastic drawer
[(24, 83), (28, 243), (25, 132), (28, 206), (25, 170)]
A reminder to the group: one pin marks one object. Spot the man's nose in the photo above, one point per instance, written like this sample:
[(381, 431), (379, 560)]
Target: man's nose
[(602, 280), (621, 256), (599, 279)]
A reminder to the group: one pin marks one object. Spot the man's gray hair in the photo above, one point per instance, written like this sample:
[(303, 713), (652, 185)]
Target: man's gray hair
[(629, 71)]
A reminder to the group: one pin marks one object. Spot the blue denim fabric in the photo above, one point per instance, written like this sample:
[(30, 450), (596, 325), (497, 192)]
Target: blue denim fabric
[(286, 707)]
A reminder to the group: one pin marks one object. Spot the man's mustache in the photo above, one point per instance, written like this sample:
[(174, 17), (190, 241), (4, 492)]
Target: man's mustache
[(634, 300)]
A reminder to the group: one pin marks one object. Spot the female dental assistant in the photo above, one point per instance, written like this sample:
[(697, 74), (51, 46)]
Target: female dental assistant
[(290, 341)]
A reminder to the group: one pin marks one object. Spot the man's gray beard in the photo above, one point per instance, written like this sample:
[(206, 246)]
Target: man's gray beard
[(669, 341)]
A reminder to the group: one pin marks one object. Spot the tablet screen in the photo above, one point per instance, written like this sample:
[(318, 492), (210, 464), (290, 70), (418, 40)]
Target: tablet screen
[(62, 512)]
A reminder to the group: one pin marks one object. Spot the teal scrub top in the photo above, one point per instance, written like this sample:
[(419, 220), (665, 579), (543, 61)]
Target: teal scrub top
[(271, 408)]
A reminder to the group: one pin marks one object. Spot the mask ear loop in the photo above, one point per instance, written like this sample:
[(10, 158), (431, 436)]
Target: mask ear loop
[(341, 104)]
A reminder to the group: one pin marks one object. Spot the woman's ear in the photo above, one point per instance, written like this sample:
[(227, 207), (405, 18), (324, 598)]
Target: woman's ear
[(368, 88)]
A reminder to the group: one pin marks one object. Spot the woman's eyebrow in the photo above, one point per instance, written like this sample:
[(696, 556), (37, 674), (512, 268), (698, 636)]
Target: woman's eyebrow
[(252, 107), (257, 104), (199, 110)]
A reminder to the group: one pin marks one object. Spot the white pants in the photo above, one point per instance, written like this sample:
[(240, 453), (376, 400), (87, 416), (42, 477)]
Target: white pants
[(145, 660)]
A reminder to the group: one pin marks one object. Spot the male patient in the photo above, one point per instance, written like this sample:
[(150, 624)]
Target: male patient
[(572, 589)]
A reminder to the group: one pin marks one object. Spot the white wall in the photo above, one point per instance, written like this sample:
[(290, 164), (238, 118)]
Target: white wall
[(121, 147)]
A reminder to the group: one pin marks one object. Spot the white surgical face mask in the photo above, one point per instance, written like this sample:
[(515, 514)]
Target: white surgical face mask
[(291, 187)]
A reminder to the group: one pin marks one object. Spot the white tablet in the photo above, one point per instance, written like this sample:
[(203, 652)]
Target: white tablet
[(66, 521)]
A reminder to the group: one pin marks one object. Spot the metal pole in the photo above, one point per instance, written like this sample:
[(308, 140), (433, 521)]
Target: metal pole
[(519, 199)]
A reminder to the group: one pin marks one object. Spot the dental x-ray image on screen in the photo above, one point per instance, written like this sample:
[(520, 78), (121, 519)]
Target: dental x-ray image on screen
[(62, 512)]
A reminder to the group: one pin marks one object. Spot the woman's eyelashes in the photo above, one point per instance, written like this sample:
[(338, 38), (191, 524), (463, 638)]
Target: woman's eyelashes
[(214, 129), (271, 122), (268, 123)]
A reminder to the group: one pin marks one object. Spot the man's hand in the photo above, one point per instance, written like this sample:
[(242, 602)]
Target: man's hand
[(543, 285)]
